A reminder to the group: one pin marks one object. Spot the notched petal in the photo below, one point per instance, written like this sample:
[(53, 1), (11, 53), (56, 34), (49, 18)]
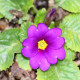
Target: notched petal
[(32, 31), (53, 33), (57, 43), (60, 53), (42, 28)]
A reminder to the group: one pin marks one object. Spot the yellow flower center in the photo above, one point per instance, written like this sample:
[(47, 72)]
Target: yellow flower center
[(42, 45)]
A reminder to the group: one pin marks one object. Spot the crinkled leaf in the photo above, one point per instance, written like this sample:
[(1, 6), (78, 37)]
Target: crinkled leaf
[(9, 44), (71, 31), (70, 5), (51, 25), (23, 62), (20, 5), (64, 70), (40, 17), (23, 30), (1, 16), (69, 53)]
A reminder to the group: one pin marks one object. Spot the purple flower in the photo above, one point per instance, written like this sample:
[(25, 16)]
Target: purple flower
[(51, 13), (43, 46)]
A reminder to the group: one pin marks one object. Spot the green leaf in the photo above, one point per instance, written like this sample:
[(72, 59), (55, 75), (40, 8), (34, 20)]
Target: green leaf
[(9, 44), (40, 17), (69, 53), (70, 5), (23, 62), (71, 31), (64, 70), (23, 19), (20, 5), (1, 16), (51, 25), (23, 30)]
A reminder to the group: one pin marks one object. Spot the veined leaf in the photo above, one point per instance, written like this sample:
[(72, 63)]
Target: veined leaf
[(51, 25), (20, 5), (23, 30), (69, 53), (40, 17), (9, 44), (23, 62), (1, 16), (71, 31), (64, 70), (70, 5)]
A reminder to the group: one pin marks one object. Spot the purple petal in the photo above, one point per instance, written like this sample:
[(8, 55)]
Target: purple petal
[(52, 55), (39, 60), (29, 41), (60, 53), (31, 47), (29, 51), (51, 13), (37, 32), (51, 58), (53, 33), (34, 61), (32, 31), (42, 28), (56, 43), (44, 64)]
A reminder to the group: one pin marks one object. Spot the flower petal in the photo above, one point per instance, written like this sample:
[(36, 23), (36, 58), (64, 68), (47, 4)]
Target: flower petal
[(37, 32), (32, 31), (42, 28), (34, 61), (31, 47), (29, 41), (51, 58), (53, 55), (56, 43), (44, 64), (52, 33), (28, 51), (39, 60), (60, 53)]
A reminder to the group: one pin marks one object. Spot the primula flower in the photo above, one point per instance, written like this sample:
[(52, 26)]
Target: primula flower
[(43, 46)]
